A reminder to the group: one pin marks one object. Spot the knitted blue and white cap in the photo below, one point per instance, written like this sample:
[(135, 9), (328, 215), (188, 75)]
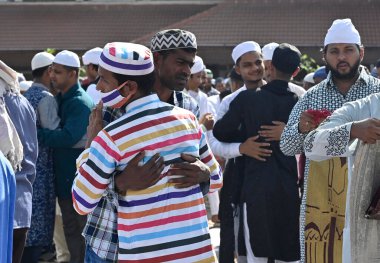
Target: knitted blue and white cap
[(127, 59)]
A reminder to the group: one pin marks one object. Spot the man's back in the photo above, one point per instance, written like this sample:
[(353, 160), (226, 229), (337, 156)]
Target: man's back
[(154, 127), (270, 186)]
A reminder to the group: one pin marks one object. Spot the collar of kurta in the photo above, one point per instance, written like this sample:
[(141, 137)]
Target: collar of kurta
[(70, 93), (141, 102), (363, 77)]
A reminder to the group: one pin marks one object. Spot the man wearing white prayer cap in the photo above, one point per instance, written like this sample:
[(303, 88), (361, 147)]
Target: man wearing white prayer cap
[(268, 50), (43, 202), (74, 108), (308, 81), (249, 65), (91, 61), (324, 209), (193, 84)]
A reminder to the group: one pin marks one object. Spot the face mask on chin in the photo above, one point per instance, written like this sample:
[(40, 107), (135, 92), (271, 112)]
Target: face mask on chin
[(114, 99)]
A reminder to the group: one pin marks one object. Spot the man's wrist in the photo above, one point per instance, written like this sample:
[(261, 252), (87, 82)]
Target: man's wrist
[(120, 184)]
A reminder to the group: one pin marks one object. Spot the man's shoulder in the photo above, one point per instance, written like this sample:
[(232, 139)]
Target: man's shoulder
[(184, 96), (298, 90), (81, 97)]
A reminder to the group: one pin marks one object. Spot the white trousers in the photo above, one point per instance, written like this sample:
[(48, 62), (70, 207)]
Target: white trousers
[(250, 257)]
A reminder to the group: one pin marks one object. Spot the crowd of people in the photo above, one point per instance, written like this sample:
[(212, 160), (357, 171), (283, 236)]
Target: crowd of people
[(134, 162)]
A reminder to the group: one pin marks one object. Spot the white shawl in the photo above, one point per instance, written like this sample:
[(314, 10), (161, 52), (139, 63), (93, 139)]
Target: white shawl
[(10, 144)]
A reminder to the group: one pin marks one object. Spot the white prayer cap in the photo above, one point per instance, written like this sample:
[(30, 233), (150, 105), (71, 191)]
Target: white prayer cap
[(42, 59), (268, 50), (243, 48), (198, 65), (342, 31), (309, 78), (25, 85), (92, 56), (67, 58)]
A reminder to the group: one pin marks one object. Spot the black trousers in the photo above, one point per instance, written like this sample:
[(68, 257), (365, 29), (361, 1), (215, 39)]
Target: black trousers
[(73, 225)]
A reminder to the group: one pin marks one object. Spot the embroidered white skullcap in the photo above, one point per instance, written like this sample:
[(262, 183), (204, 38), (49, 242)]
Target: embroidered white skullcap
[(127, 59), (198, 65), (342, 31), (92, 56), (243, 48), (42, 59), (67, 58), (268, 50), (309, 78)]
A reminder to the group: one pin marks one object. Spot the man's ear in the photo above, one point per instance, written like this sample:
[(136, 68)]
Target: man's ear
[(157, 58), (296, 72), (361, 53), (73, 74), (130, 88), (237, 69)]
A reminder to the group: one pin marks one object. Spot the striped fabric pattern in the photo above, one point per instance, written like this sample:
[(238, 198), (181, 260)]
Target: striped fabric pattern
[(160, 223)]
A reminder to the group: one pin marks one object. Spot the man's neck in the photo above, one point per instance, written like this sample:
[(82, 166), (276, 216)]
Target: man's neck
[(254, 84), (67, 88), (344, 85), (162, 92), (41, 82)]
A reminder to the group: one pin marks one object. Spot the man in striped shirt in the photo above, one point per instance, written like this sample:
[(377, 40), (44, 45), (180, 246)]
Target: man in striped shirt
[(100, 231), (162, 222)]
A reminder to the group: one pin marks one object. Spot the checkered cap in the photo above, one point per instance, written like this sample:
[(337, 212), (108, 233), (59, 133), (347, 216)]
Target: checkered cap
[(173, 39)]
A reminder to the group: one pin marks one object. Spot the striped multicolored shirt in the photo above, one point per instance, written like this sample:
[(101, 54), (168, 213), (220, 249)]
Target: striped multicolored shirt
[(161, 223)]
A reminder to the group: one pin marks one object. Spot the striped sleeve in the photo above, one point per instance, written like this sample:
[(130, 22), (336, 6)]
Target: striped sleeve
[(207, 157), (94, 172)]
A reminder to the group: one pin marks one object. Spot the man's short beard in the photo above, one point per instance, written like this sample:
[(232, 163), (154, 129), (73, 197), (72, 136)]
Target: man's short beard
[(254, 81), (347, 76)]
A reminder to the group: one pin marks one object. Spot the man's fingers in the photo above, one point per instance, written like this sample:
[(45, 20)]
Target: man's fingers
[(157, 167), (185, 185), (99, 106), (254, 138), (137, 158), (184, 166), (263, 144), (278, 123), (259, 158), (188, 158), (186, 173), (152, 161)]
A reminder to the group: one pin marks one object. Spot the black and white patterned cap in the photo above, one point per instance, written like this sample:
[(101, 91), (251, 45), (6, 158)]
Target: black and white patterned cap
[(173, 39)]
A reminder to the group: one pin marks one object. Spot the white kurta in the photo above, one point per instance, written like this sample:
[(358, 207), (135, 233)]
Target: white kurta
[(332, 138)]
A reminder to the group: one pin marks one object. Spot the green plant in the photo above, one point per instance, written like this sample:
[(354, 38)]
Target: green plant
[(51, 51), (308, 64)]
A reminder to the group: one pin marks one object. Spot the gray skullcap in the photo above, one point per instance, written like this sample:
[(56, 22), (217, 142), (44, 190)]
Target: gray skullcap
[(173, 39), (286, 58)]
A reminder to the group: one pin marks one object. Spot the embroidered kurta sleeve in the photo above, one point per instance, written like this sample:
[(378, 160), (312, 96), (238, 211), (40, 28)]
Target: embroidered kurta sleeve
[(95, 168), (291, 142), (332, 137)]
